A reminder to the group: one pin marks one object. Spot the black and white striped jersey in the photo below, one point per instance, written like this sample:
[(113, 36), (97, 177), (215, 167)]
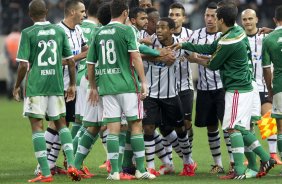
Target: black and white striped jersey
[(76, 41), (144, 34), (208, 79), (256, 48), (184, 72), (161, 78)]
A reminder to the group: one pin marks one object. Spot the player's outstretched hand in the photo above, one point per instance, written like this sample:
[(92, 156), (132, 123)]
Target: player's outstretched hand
[(93, 97), (16, 94), (165, 51), (196, 58), (264, 30), (175, 46), (70, 94), (144, 91), (146, 41)]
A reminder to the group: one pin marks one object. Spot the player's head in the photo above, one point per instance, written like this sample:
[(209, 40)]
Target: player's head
[(226, 2), (278, 16), (226, 16), (119, 9), (177, 14), (139, 18), (210, 16), (37, 10), (153, 18), (145, 4), (249, 19), (165, 28), (93, 8), (104, 13), (75, 10)]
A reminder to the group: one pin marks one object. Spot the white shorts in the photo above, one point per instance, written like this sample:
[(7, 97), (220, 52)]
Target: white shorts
[(238, 108), (277, 106), (256, 108), (127, 103), (93, 115), (81, 98), (41, 106)]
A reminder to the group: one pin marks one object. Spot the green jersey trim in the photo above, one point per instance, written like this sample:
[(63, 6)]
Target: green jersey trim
[(32, 115), (277, 116), (267, 66), (112, 120), (68, 57), (53, 118), (227, 41), (93, 124), (132, 118), (23, 60)]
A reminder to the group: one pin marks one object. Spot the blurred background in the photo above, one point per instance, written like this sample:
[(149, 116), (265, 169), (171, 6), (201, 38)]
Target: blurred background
[(14, 18)]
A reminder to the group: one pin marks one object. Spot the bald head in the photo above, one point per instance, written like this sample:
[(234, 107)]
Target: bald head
[(37, 9), (249, 21)]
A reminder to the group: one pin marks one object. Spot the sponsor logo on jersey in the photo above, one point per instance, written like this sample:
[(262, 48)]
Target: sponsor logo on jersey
[(108, 32), (46, 32)]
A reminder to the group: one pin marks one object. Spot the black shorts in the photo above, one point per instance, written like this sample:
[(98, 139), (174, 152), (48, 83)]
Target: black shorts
[(187, 98), (209, 107), (70, 111), (264, 98), (167, 111)]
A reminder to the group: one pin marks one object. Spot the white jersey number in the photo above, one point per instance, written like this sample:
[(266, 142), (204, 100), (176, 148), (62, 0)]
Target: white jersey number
[(50, 45), (108, 51)]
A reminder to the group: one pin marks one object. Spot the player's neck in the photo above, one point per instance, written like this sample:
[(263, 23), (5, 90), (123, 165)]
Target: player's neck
[(94, 19), (167, 42), (178, 30), (39, 20), (69, 23), (118, 19), (211, 30), (252, 32)]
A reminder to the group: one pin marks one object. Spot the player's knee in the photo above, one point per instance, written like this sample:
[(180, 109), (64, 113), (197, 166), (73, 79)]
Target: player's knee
[(165, 130)]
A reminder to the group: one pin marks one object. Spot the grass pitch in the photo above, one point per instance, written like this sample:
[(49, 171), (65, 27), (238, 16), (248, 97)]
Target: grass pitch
[(17, 160)]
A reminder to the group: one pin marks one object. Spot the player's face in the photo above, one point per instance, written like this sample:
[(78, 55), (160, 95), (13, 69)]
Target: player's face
[(210, 18), (145, 4), (79, 13), (176, 14), (142, 20), (249, 21), (163, 31), (219, 24)]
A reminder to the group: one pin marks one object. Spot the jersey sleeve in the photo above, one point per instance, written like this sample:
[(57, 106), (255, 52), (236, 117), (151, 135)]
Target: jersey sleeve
[(144, 49), (203, 49), (24, 48), (67, 53), (91, 55), (266, 62), (131, 39)]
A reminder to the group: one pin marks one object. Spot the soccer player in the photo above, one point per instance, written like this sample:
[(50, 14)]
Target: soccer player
[(271, 53), (145, 4), (115, 50), (210, 92), (42, 47), (231, 55)]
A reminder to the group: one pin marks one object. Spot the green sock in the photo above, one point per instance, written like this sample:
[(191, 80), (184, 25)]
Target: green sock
[(77, 138), (66, 142), (39, 146), (85, 144), (251, 157), (237, 146), (122, 137), (113, 151), (253, 144), (279, 144), (128, 153), (138, 147), (74, 129)]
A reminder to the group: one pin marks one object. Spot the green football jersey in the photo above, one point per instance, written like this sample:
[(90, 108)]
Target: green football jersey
[(88, 27), (272, 52), (44, 45), (110, 49), (231, 54)]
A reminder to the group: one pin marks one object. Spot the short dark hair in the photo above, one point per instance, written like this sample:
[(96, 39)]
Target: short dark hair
[(104, 13), (212, 5), (170, 22), (93, 7), (37, 9), (150, 10), (133, 12), (71, 4), (178, 6), (117, 7), (278, 13), (228, 13), (226, 2)]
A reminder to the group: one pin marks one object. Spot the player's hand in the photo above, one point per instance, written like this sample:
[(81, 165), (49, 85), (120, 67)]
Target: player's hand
[(146, 41), (64, 62), (175, 46), (169, 59), (165, 51), (16, 93), (196, 58), (70, 94), (93, 97), (264, 30), (144, 91)]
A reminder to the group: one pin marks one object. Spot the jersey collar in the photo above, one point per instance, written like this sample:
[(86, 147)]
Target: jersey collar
[(90, 21), (42, 23), (115, 22), (279, 27)]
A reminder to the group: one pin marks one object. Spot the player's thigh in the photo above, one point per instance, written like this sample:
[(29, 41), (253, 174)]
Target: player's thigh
[(219, 102), (112, 109), (151, 111), (277, 106), (35, 106), (93, 114), (205, 110), (70, 110), (187, 98), (56, 107), (81, 98), (256, 107), (238, 108), (131, 105)]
